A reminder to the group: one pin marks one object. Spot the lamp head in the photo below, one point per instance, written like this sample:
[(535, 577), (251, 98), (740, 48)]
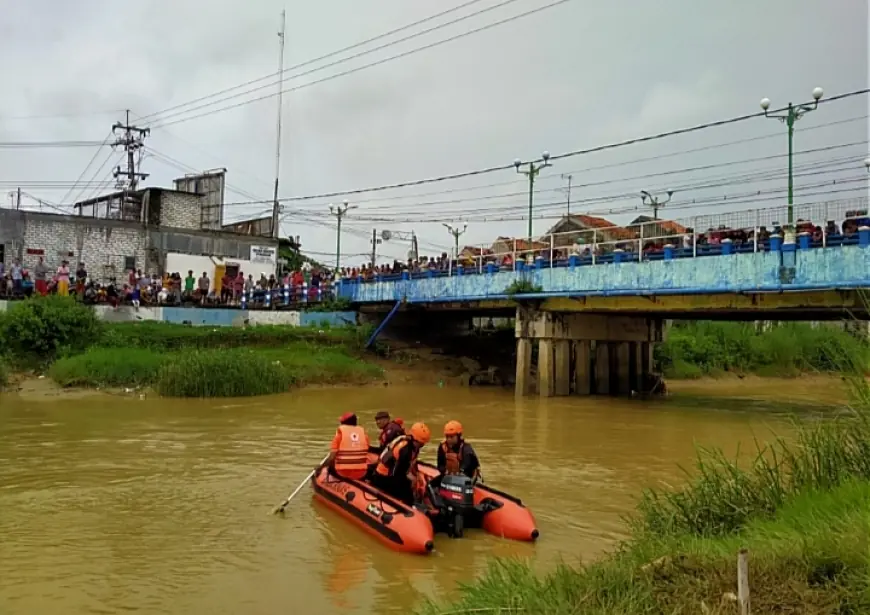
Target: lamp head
[(765, 104), (517, 163), (818, 93), (546, 156), (867, 163)]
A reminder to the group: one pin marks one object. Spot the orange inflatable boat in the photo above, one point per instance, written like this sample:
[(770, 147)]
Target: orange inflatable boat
[(496, 512), (402, 527), (412, 528)]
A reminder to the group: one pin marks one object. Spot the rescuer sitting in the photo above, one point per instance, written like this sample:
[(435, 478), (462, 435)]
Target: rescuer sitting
[(396, 471), (348, 452), (455, 455), (390, 430)]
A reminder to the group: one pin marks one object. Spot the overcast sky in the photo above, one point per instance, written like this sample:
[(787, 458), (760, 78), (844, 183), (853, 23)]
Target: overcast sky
[(578, 75)]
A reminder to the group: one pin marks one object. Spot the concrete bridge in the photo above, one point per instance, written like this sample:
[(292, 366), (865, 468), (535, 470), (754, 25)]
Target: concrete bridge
[(592, 316)]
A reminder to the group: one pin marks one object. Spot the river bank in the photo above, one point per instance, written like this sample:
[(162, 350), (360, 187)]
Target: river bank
[(798, 506)]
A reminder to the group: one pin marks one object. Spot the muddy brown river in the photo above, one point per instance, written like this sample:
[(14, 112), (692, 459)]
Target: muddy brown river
[(114, 505)]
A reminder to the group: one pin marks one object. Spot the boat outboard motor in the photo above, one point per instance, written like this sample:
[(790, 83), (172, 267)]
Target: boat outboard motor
[(456, 500)]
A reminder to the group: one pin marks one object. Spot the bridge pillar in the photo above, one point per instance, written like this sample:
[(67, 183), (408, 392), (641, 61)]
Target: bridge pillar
[(567, 360)]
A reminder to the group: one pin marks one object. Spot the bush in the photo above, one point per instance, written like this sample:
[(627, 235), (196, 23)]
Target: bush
[(38, 330), (784, 350), (108, 367), (227, 373)]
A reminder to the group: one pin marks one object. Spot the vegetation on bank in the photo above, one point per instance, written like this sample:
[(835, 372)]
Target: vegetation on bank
[(708, 348), (4, 374), (799, 507), (64, 337)]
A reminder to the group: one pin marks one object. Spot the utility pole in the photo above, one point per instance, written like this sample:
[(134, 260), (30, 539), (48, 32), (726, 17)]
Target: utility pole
[(532, 173), (655, 202), (374, 246), (567, 191), (793, 115), (456, 233), (132, 139), (276, 206), (339, 213), (18, 199)]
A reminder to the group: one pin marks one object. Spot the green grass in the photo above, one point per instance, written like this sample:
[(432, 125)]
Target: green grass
[(108, 367), (226, 372), (696, 349), (801, 507), (163, 336), (812, 557)]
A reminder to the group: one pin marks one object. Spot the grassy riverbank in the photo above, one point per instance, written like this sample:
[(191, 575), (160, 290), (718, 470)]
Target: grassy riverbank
[(66, 340), (707, 348), (800, 508)]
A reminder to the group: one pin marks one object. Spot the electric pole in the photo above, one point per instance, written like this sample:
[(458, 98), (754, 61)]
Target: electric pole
[(374, 246), (456, 233), (18, 199), (532, 173), (276, 206), (339, 213), (132, 138), (567, 190), (655, 202)]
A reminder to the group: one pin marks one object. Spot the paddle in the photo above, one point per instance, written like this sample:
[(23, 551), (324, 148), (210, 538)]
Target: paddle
[(281, 508)]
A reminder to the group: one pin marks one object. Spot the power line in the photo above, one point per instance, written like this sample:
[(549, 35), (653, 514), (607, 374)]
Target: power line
[(315, 60), (88, 166), (371, 64), (47, 144), (600, 148)]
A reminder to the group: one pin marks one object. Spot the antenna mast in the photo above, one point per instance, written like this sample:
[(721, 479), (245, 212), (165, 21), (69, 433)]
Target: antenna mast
[(275, 204)]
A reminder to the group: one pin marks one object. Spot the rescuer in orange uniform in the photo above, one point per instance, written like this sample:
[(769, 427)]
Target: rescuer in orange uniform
[(390, 430), (455, 455), (348, 453), (396, 471)]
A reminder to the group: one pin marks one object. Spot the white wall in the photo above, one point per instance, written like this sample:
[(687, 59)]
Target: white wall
[(182, 263)]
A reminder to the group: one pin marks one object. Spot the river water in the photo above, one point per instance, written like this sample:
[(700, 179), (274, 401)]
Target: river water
[(112, 504)]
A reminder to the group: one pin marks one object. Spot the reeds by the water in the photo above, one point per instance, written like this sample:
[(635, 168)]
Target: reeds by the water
[(236, 372)]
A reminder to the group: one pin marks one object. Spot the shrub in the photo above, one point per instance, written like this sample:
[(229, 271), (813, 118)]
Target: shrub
[(39, 329), (108, 367), (784, 350), (228, 373)]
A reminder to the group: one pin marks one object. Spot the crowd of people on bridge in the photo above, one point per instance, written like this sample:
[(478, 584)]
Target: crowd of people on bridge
[(394, 471), (631, 243)]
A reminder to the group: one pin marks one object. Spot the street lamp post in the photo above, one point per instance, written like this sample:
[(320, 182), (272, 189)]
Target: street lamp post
[(532, 173), (567, 190), (456, 233), (794, 113), (655, 202), (339, 213)]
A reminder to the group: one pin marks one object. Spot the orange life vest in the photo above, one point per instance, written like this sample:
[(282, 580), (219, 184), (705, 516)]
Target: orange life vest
[(389, 456), (453, 459), (351, 459)]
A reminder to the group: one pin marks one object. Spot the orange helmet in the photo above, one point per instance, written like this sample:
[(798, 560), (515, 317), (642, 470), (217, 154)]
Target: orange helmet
[(453, 428), (420, 432)]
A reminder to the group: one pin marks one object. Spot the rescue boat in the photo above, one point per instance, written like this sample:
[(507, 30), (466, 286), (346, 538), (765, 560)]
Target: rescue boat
[(504, 515), (401, 527)]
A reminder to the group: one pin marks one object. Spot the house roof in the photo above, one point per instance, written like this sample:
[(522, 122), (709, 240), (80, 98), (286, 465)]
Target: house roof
[(592, 223), (477, 251), (668, 226), (523, 244)]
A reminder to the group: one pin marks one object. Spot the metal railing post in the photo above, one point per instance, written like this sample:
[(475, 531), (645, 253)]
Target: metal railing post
[(694, 237), (755, 233), (594, 244), (552, 248)]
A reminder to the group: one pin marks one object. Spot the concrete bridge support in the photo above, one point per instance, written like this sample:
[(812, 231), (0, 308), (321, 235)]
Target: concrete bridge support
[(583, 354)]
